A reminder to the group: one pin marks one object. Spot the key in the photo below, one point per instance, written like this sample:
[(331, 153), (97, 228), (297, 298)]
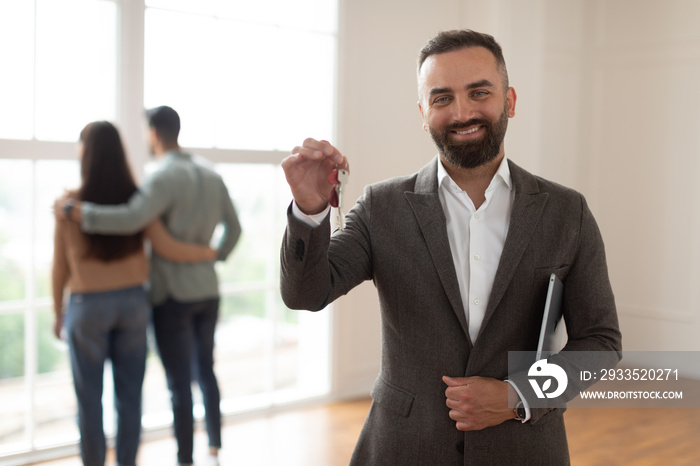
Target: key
[(343, 176)]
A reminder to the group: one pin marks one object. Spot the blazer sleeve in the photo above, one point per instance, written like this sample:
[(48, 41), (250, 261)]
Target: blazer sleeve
[(317, 268), (589, 313)]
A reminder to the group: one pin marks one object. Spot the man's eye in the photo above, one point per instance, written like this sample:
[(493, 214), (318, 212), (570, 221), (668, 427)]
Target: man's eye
[(480, 94), (441, 100)]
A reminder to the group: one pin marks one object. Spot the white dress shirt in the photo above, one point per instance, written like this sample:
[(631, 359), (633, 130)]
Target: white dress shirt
[(476, 238)]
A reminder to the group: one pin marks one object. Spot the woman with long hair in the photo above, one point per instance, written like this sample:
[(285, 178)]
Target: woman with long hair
[(108, 310)]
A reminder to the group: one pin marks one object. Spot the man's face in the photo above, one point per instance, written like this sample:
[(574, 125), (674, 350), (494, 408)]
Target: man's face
[(465, 106)]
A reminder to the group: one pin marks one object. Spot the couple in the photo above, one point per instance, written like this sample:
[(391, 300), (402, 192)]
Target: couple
[(99, 257)]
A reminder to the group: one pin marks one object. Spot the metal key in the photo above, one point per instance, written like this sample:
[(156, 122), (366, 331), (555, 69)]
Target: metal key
[(343, 176)]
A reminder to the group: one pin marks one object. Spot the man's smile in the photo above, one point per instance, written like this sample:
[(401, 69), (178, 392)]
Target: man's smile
[(468, 131)]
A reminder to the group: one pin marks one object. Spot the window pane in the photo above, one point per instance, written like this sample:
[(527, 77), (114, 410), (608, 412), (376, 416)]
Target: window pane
[(252, 188), (11, 346), (15, 218), (306, 98), (314, 15), (190, 89), (302, 348), (17, 58), (12, 382), (243, 334), (240, 84), (76, 66), (53, 398), (55, 405)]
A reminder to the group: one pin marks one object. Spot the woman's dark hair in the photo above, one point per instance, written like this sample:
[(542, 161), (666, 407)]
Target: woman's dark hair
[(106, 179)]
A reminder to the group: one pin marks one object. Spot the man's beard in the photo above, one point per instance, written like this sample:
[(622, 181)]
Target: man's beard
[(472, 154)]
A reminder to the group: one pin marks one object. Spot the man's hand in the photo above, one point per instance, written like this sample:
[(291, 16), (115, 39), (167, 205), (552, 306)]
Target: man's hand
[(212, 255), (59, 208), (307, 171), (477, 402)]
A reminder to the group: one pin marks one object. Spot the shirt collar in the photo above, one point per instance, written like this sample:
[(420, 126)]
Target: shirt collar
[(503, 174), (176, 154)]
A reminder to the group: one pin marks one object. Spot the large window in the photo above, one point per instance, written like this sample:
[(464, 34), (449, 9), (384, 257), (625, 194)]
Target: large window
[(250, 80)]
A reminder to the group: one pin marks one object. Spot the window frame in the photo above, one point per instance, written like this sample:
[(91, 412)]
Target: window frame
[(130, 98)]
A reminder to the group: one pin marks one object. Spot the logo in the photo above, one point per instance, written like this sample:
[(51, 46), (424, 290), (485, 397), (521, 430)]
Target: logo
[(543, 369)]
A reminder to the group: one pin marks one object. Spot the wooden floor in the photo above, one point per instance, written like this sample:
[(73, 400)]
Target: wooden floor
[(326, 435)]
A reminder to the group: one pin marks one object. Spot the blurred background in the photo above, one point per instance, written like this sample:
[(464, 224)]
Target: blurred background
[(606, 95)]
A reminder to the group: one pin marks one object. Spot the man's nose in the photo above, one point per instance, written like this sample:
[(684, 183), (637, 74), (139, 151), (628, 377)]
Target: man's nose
[(463, 110)]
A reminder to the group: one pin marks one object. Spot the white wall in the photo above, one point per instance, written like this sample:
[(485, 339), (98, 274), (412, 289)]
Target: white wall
[(644, 165), (606, 93)]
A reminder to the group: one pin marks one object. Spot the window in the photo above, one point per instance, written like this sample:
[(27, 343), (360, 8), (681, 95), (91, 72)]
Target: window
[(63, 67), (250, 80)]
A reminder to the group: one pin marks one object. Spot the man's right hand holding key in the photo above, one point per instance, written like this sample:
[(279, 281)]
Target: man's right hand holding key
[(307, 171)]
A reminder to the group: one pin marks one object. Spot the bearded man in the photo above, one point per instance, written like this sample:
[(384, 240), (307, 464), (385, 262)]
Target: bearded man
[(460, 253)]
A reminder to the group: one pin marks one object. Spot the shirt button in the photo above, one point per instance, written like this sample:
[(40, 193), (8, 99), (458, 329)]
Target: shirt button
[(477, 216), (477, 257), (477, 301)]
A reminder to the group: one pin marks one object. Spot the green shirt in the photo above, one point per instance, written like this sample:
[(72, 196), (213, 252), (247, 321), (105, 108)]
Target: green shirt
[(191, 200)]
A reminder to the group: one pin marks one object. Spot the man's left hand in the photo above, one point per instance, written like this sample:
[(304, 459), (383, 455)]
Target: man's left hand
[(59, 208), (477, 402)]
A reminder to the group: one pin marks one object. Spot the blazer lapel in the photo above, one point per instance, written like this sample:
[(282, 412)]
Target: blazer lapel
[(425, 203), (528, 206)]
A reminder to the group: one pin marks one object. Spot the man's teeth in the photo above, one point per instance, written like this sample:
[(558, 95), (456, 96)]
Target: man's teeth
[(469, 131)]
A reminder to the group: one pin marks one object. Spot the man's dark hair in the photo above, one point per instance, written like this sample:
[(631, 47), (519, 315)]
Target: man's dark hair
[(106, 179), (165, 121), (451, 41)]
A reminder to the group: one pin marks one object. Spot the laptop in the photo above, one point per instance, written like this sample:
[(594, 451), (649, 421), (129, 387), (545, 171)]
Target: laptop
[(553, 330)]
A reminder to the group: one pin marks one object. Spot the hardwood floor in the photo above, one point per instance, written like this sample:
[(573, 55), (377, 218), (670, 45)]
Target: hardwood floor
[(635, 437), (325, 436)]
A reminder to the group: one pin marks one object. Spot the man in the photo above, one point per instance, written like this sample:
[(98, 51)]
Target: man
[(460, 254), (191, 200)]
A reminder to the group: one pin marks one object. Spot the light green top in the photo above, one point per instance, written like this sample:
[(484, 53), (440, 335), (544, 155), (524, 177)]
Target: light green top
[(191, 200)]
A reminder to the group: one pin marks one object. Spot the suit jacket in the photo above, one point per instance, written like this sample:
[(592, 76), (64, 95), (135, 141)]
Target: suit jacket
[(396, 236)]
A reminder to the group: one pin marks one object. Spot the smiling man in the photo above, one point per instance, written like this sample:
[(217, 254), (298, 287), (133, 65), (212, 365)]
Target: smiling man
[(460, 254)]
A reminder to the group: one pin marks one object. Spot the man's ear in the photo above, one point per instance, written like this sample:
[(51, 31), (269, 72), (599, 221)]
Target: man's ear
[(512, 98), (422, 115)]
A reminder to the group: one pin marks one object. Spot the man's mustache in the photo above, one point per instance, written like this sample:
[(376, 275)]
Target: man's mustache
[(457, 125)]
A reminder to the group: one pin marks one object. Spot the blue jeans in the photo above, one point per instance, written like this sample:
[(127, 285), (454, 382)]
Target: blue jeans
[(110, 325), (185, 337)]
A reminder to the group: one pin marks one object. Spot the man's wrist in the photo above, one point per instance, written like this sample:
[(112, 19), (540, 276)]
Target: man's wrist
[(311, 220), (521, 410)]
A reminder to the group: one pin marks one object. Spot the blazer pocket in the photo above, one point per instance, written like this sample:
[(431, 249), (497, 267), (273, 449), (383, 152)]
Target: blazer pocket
[(543, 273), (392, 397)]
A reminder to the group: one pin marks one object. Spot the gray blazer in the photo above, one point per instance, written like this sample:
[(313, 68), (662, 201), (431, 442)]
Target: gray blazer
[(396, 236)]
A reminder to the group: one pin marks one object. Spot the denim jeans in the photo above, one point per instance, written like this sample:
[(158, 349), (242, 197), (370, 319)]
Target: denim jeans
[(99, 326), (185, 338)]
